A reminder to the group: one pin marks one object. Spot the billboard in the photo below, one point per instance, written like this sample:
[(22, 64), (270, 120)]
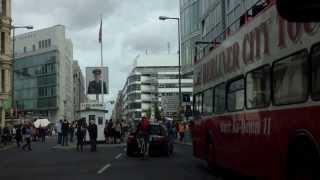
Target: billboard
[(95, 76)]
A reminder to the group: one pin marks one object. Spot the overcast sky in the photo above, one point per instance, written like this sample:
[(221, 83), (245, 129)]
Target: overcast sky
[(129, 28)]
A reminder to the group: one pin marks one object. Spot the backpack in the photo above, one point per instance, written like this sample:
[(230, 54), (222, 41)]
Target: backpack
[(145, 125)]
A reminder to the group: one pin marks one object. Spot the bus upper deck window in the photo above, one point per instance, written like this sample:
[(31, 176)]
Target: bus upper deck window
[(258, 88), (290, 79), (235, 97), (315, 61), (219, 98)]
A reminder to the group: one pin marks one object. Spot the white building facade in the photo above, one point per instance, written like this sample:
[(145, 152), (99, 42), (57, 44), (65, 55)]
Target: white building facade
[(44, 74), (153, 78)]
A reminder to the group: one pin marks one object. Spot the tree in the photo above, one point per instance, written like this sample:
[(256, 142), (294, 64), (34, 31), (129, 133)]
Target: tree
[(148, 113)]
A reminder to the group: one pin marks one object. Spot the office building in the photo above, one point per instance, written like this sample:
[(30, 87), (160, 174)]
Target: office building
[(79, 95), (211, 21), (43, 78), (5, 59), (152, 78), (190, 33)]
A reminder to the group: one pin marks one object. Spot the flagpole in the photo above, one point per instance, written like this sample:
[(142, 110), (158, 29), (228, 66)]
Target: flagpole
[(103, 75)]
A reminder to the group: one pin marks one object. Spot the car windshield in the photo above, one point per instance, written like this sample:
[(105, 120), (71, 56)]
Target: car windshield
[(155, 130)]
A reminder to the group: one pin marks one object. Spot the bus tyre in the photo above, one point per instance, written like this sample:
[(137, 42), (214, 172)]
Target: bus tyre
[(210, 157), (303, 160)]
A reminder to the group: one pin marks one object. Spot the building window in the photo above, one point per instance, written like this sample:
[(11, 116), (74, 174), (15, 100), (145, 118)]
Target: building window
[(49, 42), (24, 49), (290, 79), (92, 118), (39, 44), (3, 7), (3, 42), (34, 47), (46, 43), (100, 120), (3, 80), (42, 44)]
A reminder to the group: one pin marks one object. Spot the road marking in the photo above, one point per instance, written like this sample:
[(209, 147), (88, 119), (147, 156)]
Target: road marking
[(118, 156), (104, 168)]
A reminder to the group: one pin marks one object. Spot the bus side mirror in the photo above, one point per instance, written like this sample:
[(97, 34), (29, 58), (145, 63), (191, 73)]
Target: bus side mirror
[(299, 11)]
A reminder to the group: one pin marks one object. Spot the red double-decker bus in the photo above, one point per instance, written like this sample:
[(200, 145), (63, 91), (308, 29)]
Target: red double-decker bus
[(257, 100)]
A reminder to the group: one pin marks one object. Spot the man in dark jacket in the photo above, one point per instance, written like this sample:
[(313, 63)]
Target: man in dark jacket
[(95, 85), (65, 132), (93, 133), (18, 136)]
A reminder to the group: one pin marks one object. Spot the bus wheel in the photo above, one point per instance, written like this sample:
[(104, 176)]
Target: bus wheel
[(303, 161), (210, 155)]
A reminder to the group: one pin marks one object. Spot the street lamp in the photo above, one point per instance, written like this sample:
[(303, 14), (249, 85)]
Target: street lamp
[(163, 18), (13, 27)]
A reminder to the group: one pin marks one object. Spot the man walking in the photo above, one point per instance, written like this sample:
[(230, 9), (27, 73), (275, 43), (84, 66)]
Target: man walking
[(71, 131), (59, 131), (93, 133), (27, 137), (65, 132), (18, 136), (81, 133)]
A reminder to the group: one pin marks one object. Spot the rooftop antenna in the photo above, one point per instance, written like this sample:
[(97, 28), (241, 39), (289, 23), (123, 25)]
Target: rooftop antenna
[(169, 48)]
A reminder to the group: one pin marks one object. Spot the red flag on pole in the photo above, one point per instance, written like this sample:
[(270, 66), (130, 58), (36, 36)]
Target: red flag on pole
[(100, 32)]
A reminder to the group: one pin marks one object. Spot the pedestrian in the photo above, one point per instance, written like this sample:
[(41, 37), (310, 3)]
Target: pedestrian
[(27, 137), (110, 131), (18, 136), (106, 133), (6, 135), (71, 131), (59, 131), (118, 132), (65, 132), (42, 133), (181, 131), (93, 133), (81, 134)]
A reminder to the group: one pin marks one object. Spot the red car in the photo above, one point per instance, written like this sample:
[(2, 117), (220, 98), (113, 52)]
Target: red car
[(160, 142)]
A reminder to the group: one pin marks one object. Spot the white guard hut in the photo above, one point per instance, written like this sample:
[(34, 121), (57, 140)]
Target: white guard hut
[(94, 111)]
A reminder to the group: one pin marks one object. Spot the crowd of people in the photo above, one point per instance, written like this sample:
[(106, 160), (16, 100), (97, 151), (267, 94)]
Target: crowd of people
[(115, 132), (66, 132), (17, 132), (24, 133)]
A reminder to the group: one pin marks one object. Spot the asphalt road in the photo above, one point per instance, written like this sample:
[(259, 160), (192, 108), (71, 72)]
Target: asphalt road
[(110, 162)]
